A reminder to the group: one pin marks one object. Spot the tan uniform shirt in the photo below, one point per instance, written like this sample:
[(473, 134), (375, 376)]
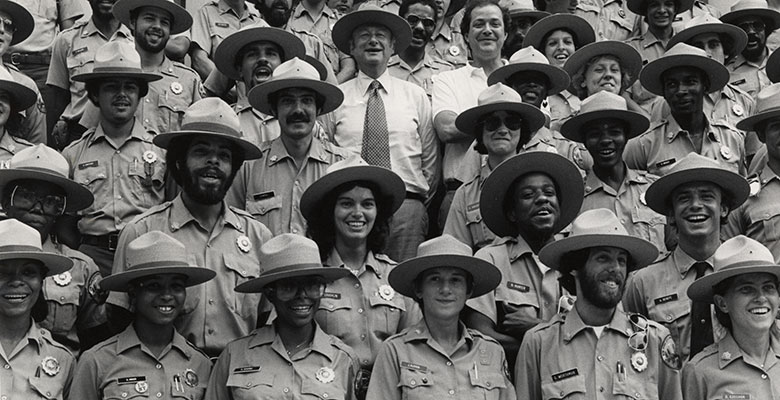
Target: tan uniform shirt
[(47, 19), (747, 75), (650, 48), (422, 75), (321, 26), (449, 45), (759, 217), (216, 20), (610, 19), (562, 106), (10, 145)]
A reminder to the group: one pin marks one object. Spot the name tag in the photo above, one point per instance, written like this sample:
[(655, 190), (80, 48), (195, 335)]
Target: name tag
[(263, 195), (565, 374), (222, 24), (472, 207), (88, 164), (738, 82), (665, 299), (329, 295), (519, 287), (414, 367), (79, 51), (736, 397), (130, 379), (244, 370), (666, 162)]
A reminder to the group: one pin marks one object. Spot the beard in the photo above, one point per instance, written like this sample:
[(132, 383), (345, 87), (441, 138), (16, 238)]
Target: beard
[(151, 48), (209, 195), (277, 15), (593, 291)]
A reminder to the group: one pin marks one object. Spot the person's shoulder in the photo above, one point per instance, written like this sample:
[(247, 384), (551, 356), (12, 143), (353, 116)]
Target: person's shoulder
[(184, 69), (482, 338), (547, 328), (83, 140), (653, 269), (151, 212), (55, 348)]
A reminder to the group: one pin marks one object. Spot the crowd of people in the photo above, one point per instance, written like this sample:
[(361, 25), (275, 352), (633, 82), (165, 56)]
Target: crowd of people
[(389, 199)]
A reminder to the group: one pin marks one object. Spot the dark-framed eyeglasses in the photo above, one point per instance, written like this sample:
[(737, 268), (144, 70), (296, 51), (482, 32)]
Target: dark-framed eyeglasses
[(428, 23), (8, 25), (288, 290), (512, 121), (51, 204)]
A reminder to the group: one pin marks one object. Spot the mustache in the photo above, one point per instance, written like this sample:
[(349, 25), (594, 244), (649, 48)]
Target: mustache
[(297, 116), (211, 171)]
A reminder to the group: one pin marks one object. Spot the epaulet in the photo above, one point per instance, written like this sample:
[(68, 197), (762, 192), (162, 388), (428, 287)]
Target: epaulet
[(339, 344), (660, 259), (436, 60), (198, 350), (725, 124), (482, 336), (108, 342), (385, 258), (333, 149), (265, 146), (83, 137), (183, 67), (241, 212), (78, 24), (656, 125), (558, 319), (739, 90), (20, 140), (635, 39), (46, 335), (156, 209)]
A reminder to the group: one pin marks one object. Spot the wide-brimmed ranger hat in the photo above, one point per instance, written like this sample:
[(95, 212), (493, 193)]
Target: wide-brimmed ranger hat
[(767, 108), (639, 7), (630, 60), (498, 97), (580, 29), (19, 241), (181, 19), (22, 97), (600, 106), (373, 15), (117, 59), (773, 67), (736, 256), (289, 256), (598, 228), (352, 169), (155, 253), (444, 251), (522, 9), (753, 8), (227, 51), (706, 23), (696, 168), (22, 19), (295, 73), (683, 55), (42, 163), (528, 59), (495, 189), (210, 117)]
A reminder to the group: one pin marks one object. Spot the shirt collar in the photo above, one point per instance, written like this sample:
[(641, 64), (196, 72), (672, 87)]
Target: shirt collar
[(427, 61), (91, 29), (224, 8), (542, 135), (516, 247), (573, 324), (35, 334), (363, 81), (729, 351), (445, 32), (767, 175), (372, 264), (684, 262), (420, 332), (278, 152), (167, 68), (300, 9), (673, 130), (739, 60), (128, 339), (268, 335), (181, 215), (138, 132), (649, 39)]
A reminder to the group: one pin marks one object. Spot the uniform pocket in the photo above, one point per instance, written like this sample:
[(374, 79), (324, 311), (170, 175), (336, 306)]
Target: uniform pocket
[(563, 388), (255, 385), (48, 388), (391, 309), (486, 385), (268, 211), (244, 268), (170, 111), (126, 391), (333, 390)]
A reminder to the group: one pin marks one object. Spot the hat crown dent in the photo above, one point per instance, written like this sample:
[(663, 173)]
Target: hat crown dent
[(693, 161), (444, 245), (351, 161), (517, 5), (498, 93), (295, 68), (41, 158), (749, 5), (18, 236), (598, 221), (116, 55), (155, 247), (212, 114), (528, 55), (702, 19), (288, 250), (768, 99), (603, 100), (740, 251)]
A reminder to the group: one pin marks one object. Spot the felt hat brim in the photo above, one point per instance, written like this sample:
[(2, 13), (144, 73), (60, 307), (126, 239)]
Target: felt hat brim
[(113, 73), (749, 123), (455, 6), (182, 20), (651, 74), (22, 96), (54, 263), (738, 36), (771, 17), (558, 78), (225, 55), (639, 7), (630, 59), (532, 14), (342, 30), (642, 252), (637, 123), (251, 151), (256, 285), (258, 96), (773, 67), (389, 183), (564, 173), (195, 275), (578, 26), (467, 121), (702, 289), (657, 195), (23, 20), (78, 196), (485, 275)]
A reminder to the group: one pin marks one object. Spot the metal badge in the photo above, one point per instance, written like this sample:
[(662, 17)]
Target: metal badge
[(176, 88), (454, 51), (50, 366), (738, 110), (244, 244), (726, 355), (190, 378), (141, 387), (325, 375), (639, 361), (386, 292), (622, 13), (62, 279), (725, 151), (149, 157)]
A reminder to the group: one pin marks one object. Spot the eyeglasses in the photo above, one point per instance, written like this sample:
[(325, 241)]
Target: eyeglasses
[(312, 288), (24, 199), (8, 25), (512, 121), (428, 23), (752, 25)]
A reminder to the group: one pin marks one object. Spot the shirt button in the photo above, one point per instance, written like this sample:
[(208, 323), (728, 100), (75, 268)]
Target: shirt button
[(363, 336), (360, 311), (357, 285), (600, 358), (294, 230), (451, 392), (324, 395), (158, 366), (62, 298), (763, 376), (668, 317), (211, 301), (286, 390), (146, 100), (159, 395), (211, 331), (449, 364), (7, 366), (124, 394), (601, 388), (4, 398)]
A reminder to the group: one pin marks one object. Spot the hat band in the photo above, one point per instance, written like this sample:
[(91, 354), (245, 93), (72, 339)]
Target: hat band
[(42, 170), (155, 264), (117, 70), (294, 267), (212, 127), (20, 248)]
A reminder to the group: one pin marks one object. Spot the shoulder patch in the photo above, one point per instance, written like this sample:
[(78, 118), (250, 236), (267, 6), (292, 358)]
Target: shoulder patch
[(669, 353)]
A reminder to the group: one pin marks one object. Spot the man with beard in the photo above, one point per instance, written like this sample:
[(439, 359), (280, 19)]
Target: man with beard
[(748, 69), (523, 15), (73, 53), (414, 64), (204, 158), (696, 196), (596, 347), (116, 160), (525, 201), (270, 188)]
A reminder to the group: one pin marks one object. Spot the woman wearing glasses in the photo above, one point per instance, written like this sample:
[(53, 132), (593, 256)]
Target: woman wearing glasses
[(293, 358), (36, 191), (745, 364)]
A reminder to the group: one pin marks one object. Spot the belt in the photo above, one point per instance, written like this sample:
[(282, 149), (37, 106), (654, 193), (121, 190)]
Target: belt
[(107, 242), (40, 58), (452, 184), (415, 196)]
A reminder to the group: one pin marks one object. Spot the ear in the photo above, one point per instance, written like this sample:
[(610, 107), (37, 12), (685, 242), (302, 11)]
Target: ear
[(724, 210), (720, 302)]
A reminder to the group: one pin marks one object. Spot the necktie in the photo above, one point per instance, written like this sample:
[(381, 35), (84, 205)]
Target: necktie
[(376, 143), (701, 317)]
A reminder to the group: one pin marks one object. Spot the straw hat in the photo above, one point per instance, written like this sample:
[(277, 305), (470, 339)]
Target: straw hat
[(596, 228), (22, 97), (528, 59), (23, 20), (225, 55), (444, 251), (736, 256), (210, 117), (683, 55), (767, 108), (630, 60), (42, 163), (563, 172), (352, 169), (21, 241), (753, 8), (181, 19), (696, 168), (639, 7), (579, 28), (604, 105), (499, 97), (706, 23), (372, 14), (289, 256), (117, 59), (295, 73)]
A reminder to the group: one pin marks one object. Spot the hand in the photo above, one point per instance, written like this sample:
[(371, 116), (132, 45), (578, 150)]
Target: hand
[(60, 134)]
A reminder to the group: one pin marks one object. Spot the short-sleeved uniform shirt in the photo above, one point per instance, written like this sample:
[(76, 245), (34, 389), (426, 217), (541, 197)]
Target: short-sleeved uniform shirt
[(562, 106), (449, 45), (216, 20), (747, 75), (423, 74), (364, 310), (759, 216), (214, 314), (650, 48), (610, 19), (321, 26), (47, 16), (32, 126), (258, 367), (10, 145), (464, 220), (124, 368)]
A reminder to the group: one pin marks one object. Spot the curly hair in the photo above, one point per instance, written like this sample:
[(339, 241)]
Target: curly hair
[(465, 23), (578, 79), (525, 137), (176, 158)]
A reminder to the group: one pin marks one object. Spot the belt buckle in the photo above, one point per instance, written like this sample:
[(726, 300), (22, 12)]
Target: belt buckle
[(16, 58), (113, 240)]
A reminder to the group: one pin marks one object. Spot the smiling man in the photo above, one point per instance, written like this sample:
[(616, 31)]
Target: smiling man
[(696, 196)]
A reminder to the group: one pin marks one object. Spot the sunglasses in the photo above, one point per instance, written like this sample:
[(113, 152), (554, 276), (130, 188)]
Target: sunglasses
[(428, 23), (24, 199), (638, 340), (752, 25), (512, 121), (286, 291), (8, 25)]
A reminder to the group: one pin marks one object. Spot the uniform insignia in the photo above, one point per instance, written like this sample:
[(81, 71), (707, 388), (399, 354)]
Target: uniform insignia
[(325, 375), (738, 110), (726, 355), (244, 244), (263, 195), (88, 164), (190, 378), (331, 295), (665, 299), (149, 157), (669, 353), (413, 366), (93, 287), (386, 292), (62, 279), (50, 366), (639, 361), (222, 24), (176, 88), (141, 387), (755, 185), (665, 162), (622, 13), (725, 151), (274, 158), (79, 51), (737, 396), (642, 198), (518, 286), (454, 51)]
